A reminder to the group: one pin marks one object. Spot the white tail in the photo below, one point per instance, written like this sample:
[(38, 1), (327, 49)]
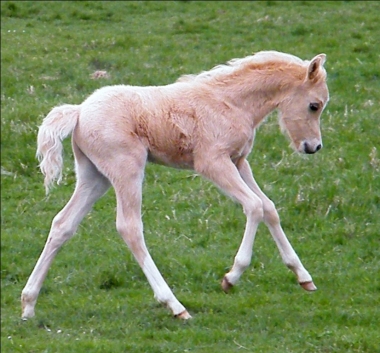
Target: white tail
[(59, 124)]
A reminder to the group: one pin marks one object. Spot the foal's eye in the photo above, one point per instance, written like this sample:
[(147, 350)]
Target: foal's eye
[(314, 106)]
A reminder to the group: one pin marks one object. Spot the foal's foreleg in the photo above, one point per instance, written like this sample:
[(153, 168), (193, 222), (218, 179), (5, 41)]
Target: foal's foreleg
[(226, 176), (90, 186), (272, 220)]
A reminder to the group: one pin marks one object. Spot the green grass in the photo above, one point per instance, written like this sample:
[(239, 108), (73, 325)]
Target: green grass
[(95, 298)]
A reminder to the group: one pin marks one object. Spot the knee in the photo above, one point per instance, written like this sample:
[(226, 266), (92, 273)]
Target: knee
[(128, 226), (255, 210)]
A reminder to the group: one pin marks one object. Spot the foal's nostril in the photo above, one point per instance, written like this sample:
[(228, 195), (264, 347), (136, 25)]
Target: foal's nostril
[(309, 150)]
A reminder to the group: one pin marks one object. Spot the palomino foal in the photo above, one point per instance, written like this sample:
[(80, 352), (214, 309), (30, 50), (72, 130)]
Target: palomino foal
[(204, 122)]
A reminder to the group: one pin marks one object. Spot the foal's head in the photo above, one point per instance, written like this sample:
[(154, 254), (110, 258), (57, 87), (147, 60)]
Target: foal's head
[(300, 111)]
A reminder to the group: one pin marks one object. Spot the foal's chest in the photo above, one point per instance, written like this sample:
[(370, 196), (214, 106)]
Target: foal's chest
[(169, 138)]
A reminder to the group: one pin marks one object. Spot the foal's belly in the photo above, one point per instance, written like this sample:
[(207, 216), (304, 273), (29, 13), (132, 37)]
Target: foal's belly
[(175, 159)]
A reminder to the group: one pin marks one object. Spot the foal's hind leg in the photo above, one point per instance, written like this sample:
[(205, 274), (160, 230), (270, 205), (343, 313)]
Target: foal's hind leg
[(126, 171), (272, 220), (90, 186)]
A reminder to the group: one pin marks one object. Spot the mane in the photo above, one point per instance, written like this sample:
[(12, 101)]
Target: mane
[(262, 59)]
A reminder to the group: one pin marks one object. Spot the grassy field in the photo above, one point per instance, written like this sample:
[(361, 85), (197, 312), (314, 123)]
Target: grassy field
[(95, 298)]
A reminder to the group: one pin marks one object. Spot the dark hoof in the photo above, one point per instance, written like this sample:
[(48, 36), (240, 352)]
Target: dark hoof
[(309, 286), (226, 286)]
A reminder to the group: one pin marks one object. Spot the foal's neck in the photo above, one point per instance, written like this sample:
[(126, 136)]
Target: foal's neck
[(257, 94)]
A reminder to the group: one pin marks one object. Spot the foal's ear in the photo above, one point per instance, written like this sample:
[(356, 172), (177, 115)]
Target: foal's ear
[(315, 65)]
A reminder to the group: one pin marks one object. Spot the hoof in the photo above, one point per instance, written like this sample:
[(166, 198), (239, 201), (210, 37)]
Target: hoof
[(183, 316), (309, 286), (226, 286)]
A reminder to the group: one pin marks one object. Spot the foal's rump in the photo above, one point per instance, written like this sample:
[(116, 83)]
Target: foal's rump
[(87, 122)]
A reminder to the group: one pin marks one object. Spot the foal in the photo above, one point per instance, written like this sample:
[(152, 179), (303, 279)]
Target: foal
[(204, 122)]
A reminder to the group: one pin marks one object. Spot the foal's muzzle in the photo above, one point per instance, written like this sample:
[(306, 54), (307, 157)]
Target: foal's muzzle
[(310, 149)]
